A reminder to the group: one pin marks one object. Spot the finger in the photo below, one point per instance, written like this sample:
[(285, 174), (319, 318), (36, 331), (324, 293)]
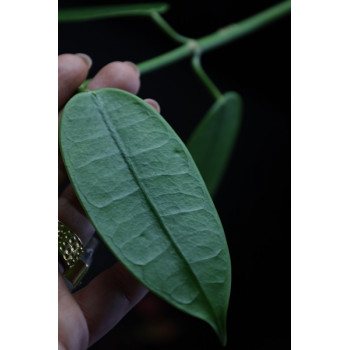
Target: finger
[(73, 332), (72, 214), (120, 75), (108, 298), (153, 103), (72, 71)]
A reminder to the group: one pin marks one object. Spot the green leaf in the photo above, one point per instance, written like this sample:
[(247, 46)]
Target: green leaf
[(212, 142), (101, 12), (145, 197)]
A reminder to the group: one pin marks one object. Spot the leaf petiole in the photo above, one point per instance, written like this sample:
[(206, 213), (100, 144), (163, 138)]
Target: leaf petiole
[(170, 31), (203, 76)]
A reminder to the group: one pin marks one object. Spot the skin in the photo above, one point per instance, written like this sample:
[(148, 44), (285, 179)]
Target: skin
[(87, 315)]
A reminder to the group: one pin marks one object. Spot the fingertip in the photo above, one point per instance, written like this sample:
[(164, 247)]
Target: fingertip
[(121, 75), (72, 71), (86, 58), (133, 66), (153, 103)]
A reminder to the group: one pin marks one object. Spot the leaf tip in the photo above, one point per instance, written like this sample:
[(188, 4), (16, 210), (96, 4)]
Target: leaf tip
[(219, 327), (222, 334)]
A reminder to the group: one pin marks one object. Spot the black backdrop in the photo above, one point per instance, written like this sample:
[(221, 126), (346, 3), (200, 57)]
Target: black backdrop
[(253, 200)]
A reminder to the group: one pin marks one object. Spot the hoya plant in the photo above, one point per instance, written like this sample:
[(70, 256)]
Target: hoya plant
[(148, 193)]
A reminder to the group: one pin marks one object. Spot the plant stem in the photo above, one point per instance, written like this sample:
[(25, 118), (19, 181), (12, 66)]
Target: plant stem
[(165, 59), (164, 25), (219, 38), (203, 76), (82, 87)]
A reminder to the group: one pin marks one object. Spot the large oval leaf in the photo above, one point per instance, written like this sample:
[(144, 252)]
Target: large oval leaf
[(212, 141), (145, 196), (108, 11)]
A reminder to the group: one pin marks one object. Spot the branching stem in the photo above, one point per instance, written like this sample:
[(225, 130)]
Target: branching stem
[(165, 26), (219, 38), (203, 76), (194, 48)]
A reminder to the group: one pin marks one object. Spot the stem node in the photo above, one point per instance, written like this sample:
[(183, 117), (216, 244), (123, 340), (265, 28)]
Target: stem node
[(209, 42)]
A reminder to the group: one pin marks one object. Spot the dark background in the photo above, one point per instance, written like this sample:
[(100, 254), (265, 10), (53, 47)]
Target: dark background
[(253, 200)]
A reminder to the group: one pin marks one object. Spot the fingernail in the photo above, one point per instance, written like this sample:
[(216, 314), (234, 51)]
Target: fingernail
[(153, 103), (87, 59), (133, 65)]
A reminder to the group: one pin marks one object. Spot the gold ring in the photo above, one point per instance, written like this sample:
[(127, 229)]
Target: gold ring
[(70, 255)]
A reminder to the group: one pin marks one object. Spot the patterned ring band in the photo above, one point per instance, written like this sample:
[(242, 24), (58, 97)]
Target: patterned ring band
[(71, 255)]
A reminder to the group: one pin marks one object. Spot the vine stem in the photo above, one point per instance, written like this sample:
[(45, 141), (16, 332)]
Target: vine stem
[(203, 76), (82, 87), (164, 25), (221, 37)]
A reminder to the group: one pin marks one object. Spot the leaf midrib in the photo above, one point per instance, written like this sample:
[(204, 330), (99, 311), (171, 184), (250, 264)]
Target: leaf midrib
[(120, 145)]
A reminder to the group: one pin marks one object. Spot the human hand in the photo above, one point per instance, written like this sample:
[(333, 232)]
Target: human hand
[(85, 316)]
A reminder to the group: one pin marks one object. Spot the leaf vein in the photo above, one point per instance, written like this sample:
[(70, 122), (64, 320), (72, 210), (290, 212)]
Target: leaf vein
[(119, 144)]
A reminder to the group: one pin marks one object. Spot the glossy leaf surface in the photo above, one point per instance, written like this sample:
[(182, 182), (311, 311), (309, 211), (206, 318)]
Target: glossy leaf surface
[(212, 141), (143, 193), (101, 12)]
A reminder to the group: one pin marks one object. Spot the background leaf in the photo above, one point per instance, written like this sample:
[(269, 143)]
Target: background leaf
[(212, 141), (100, 12), (145, 197)]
